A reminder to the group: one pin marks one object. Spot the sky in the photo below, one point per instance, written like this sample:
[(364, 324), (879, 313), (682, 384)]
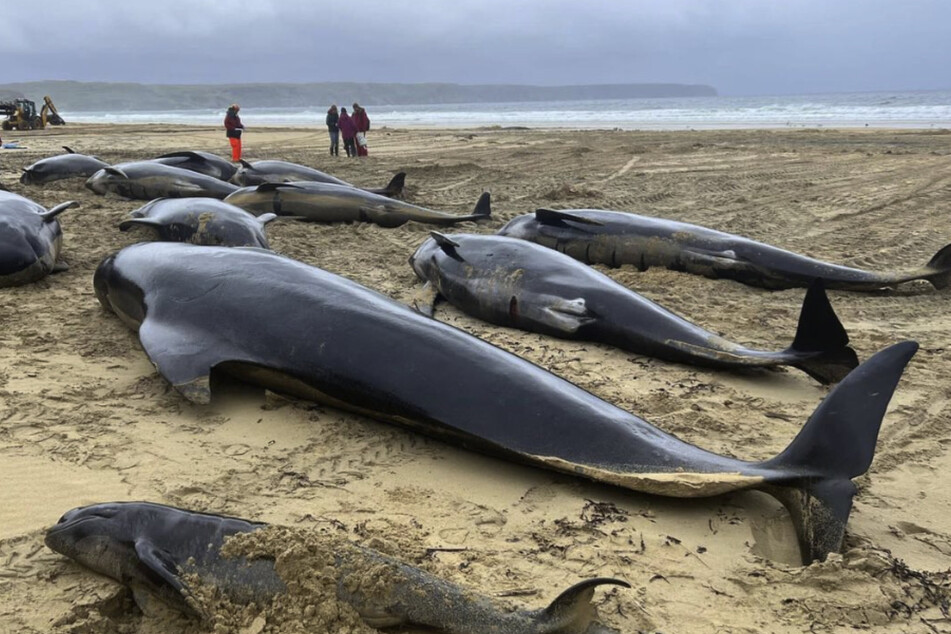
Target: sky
[(741, 47)]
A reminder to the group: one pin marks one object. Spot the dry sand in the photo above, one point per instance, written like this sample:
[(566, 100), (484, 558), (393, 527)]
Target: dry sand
[(85, 418)]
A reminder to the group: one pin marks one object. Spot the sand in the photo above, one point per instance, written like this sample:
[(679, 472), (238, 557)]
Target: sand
[(85, 418)]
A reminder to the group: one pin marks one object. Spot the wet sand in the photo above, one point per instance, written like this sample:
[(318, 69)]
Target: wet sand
[(85, 418)]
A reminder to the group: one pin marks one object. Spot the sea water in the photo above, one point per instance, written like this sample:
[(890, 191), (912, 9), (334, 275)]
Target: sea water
[(925, 109)]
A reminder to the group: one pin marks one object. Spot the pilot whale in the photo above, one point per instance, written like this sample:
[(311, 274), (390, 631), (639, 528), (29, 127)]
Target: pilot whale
[(156, 549), (615, 238), (326, 202), (261, 172), (30, 239), (278, 323), (201, 221), (145, 180), (520, 284), (202, 162), (62, 166)]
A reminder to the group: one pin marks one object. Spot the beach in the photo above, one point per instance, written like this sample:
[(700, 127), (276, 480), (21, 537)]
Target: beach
[(84, 416)]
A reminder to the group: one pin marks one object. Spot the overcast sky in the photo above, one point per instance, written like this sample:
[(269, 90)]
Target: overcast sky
[(741, 47)]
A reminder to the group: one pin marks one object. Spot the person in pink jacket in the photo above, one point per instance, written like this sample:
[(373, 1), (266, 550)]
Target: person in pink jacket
[(348, 130), (362, 121)]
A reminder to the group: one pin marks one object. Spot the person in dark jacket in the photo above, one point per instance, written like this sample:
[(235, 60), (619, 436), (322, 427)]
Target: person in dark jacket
[(332, 118), (233, 128), (362, 121), (348, 130)]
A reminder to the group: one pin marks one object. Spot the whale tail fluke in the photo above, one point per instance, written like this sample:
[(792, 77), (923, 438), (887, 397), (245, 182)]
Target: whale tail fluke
[(572, 611), (836, 444), (939, 268), (821, 339)]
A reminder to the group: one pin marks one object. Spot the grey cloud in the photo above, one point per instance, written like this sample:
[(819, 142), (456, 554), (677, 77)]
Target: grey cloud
[(739, 46)]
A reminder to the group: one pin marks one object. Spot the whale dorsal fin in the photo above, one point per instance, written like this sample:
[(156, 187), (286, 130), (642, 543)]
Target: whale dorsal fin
[(245, 164), (445, 242), (266, 218), (270, 187), (58, 209), (115, 171), (125, 225), (69, 150), (553, 217)]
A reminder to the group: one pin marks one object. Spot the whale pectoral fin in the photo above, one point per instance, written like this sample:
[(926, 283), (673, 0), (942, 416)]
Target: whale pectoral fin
[(565, 315), (159, 564), (183, 356), (60, 267), (728, 257), (188, 187), (425, 298)]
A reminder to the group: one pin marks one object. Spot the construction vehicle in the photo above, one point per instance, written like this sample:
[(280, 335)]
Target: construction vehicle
[(22, 115)]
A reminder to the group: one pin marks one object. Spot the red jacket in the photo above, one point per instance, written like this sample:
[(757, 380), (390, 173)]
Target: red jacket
[(361, 120), (233, 124), (348, 129)]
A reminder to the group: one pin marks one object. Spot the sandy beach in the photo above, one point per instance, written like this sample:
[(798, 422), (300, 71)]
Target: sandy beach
[(84, 416)]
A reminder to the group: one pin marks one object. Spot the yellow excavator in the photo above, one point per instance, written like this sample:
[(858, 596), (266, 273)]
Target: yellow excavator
[(22, 115)]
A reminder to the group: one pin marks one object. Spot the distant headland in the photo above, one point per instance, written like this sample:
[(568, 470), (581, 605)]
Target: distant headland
[(117, 97)]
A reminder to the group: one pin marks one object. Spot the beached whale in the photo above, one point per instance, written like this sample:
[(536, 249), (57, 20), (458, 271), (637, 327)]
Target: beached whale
[(516, 283), (153, 548), (615, 238), (261, 172), (54, 168), (145, 180), (201, 221), (325, 202), (202, 162), (30, 239), (295, 329)]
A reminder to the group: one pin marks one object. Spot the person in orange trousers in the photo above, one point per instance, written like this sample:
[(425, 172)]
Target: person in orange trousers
[(233, 128)]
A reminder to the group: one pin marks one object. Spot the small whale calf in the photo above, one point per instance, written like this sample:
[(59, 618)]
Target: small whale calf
[(615, 238), (315, 335), (155, 549), (326, 202), (201, 221), (520, 284), (30, 239)]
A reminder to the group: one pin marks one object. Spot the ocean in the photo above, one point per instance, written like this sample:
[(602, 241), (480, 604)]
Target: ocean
[(925, 109)]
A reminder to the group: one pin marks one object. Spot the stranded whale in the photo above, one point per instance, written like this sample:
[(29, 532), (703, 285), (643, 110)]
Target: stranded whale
[(54, 168), (30, 239), (515, 283), (615, 238), (201, 221), (316, 335), (152, 548), (325, 202)]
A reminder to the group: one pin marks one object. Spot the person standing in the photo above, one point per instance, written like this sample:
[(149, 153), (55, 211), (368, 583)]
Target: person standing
[(233, 128), (362, 121), (348, 130), (334, 130)]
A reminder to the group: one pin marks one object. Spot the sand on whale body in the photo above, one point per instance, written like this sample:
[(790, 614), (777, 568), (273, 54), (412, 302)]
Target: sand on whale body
[(85, 418)]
